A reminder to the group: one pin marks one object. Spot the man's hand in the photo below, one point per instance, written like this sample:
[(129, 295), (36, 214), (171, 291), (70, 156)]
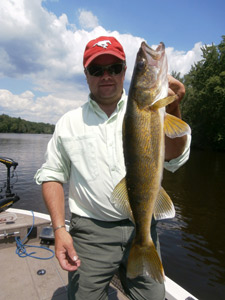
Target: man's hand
[(175, 88), (65, 252)]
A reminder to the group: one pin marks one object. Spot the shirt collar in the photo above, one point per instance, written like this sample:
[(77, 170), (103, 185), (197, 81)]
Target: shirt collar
[(94, 105)]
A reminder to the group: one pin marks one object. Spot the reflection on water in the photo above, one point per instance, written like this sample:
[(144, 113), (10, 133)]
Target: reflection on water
[(192, 244)]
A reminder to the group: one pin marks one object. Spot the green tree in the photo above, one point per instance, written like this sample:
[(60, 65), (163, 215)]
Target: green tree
[(18, 125), (204, 103)]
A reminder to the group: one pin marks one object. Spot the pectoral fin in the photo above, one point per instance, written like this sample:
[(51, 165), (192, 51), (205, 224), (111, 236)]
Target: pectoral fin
[(175, 127), (163, 102), (120, 200), (164, 208)]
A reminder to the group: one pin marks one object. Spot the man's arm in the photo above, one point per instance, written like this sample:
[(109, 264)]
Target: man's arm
[(175, 147), (53, 195)]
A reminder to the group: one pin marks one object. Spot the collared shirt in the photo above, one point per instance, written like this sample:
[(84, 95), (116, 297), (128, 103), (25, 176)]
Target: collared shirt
[(86, 150)]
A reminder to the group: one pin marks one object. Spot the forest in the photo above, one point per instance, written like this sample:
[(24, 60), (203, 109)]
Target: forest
[(203, 106), (18, 125)]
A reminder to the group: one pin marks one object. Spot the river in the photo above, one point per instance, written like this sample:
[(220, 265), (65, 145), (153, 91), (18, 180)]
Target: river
[(192, 244)]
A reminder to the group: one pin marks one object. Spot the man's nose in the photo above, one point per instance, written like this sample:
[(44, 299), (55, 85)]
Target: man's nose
[(106, 74)]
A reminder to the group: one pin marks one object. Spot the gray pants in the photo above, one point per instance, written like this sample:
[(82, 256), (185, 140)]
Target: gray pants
[(103, 248)]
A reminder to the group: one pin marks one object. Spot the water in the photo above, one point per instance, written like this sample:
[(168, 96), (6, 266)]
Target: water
[(192, 244), (28, 150)]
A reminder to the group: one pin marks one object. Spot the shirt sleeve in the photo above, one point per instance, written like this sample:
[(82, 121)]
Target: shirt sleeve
[(174, 164), (57, 165)]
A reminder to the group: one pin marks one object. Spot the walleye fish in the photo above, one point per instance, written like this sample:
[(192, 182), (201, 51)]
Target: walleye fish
[(140, 194)]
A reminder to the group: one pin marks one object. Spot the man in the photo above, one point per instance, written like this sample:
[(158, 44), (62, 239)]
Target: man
[(86, 150)]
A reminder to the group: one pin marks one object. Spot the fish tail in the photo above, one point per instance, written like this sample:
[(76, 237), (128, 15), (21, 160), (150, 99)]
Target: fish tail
[(144, 260)]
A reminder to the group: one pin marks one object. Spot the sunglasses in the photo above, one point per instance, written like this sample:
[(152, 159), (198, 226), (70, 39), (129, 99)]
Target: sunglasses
[(98, 71)]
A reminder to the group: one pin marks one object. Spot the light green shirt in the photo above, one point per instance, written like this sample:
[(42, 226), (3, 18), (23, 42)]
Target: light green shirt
[(86, 150)]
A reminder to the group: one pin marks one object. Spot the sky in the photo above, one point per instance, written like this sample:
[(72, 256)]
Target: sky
[(42, 44)]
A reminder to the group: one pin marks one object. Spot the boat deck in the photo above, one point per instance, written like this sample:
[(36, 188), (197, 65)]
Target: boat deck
[(19, 278)]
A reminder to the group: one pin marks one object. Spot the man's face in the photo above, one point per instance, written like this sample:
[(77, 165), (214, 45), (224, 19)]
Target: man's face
[(106, 89)]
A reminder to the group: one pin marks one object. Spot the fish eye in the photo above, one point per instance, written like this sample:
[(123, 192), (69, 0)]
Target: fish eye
[(140, 65)]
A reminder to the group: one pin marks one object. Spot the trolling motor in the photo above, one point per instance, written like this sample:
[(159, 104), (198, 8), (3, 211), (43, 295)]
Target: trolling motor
[(9, 198)]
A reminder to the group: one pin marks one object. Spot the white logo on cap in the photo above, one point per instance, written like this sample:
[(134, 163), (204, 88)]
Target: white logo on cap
[(103, 44)]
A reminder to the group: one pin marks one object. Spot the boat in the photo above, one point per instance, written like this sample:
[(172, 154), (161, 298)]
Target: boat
[(29, 268)]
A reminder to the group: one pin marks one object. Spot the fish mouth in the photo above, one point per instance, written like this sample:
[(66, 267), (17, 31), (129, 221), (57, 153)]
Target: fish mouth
[(151, 63), (153, 57)]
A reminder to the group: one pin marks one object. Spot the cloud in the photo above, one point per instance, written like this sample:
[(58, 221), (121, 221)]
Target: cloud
[(181, 61), (46, 109), (47, 51), (87, 19)]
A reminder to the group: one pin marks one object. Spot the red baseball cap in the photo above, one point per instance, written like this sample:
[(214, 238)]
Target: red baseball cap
[(102, 45)]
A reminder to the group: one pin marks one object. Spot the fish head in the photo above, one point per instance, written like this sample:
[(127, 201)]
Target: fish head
[(149, 78)]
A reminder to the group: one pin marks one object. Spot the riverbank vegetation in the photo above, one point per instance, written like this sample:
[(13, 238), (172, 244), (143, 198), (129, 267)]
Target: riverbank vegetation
[(18, 125), (203, 106)]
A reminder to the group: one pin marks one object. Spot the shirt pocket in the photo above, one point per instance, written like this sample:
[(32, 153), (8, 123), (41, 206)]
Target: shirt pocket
[(82, 154)]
